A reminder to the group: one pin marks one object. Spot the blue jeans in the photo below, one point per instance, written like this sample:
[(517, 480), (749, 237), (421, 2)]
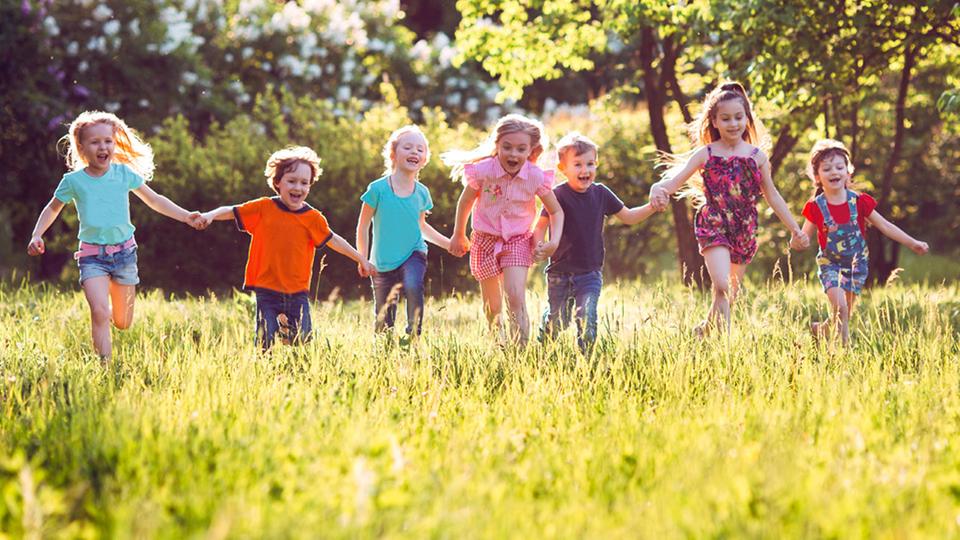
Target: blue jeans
[(387, 287), (295, 307), (565, 291)]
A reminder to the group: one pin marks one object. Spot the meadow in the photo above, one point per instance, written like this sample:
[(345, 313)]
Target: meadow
[(762, 433)]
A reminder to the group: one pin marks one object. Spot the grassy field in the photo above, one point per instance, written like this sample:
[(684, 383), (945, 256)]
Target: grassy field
[(763, 433)]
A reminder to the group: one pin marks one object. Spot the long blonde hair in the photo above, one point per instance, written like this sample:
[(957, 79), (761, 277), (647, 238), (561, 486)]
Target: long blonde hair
[(702, 132), (129, 148), (389, 152), (511, 123)]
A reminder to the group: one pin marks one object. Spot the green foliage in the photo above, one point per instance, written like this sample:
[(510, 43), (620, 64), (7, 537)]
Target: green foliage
[(762, 434)]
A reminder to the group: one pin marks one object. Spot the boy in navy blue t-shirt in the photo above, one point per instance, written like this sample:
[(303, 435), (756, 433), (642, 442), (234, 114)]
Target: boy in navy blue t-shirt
[(573, 273)]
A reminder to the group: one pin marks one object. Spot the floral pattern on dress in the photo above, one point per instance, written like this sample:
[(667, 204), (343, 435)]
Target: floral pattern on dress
[(731, 187)]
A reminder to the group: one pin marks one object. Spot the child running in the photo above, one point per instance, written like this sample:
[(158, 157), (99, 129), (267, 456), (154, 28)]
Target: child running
[(285, 234), (501, 182), (107, 160), (735, 172), (398, 204), (574, 271), (840, 217)]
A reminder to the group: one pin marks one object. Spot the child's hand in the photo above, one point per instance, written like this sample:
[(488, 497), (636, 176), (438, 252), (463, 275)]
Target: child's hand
[(459, 245), (659, 198), (544, 250), (920, 248), (366, 269), (799, 240), (198, 221), (35, 247)]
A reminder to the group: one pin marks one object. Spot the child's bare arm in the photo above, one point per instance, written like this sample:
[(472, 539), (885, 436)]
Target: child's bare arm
[(341, 246), (363, 229), (459, 244), (431, 234), (544, 250), (632, 216), (164, 206), (775, 200), (47, 216), (808, 230), (222, 213), (897, 234), (540, 230), (661, 191)]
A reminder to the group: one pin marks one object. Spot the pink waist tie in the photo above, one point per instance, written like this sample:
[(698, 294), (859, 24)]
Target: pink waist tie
[(88, 250)]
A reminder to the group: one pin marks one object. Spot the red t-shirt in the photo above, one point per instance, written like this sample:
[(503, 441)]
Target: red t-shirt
[(840, 214)]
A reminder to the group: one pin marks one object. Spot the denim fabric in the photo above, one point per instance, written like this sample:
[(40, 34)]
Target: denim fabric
[(565, 291), (296, 308), (120, 266), (407, 279)]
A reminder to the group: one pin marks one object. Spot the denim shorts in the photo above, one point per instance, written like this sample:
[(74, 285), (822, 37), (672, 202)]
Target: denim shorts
[(121, 267)]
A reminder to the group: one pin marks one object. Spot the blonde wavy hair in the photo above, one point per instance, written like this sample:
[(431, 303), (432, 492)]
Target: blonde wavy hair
[(511, 123), (283, 161), (129, 148), (389, 152), (702, 132)]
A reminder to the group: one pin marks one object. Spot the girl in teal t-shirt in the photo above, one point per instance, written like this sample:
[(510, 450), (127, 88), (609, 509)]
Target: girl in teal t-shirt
[(397, 204), (107, 160)]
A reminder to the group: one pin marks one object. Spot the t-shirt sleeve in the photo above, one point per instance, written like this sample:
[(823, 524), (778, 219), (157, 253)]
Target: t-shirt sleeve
[(546, 185), (426, 201), (65, 192), (471, 175), (866, 205), (371, 196), (320, 231), (812, 212), (133, 179), (611, 203), (249, 213)]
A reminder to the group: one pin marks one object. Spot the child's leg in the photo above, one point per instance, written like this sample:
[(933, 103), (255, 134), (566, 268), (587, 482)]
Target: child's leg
[(515, 288), (269, 307), (298, 316), (717, 259), (736, 280), (386, 292), (557, 315), (839, 314), (122, 298), (587, 292), (97, 292), (413, 270), (492, 293)]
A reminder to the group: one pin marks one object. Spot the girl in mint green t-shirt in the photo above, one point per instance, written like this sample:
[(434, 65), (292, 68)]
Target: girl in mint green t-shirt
[(397, 204), (107, 160)]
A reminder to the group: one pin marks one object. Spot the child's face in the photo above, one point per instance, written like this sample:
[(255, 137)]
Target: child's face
[(730, 119), (513, 149), (580, 170), (96, 146), (294, 186), (411, 153), (833, 173)]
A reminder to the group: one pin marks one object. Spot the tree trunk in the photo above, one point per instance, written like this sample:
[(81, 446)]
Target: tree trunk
[(883, 264), (688, 254), (786, 140)]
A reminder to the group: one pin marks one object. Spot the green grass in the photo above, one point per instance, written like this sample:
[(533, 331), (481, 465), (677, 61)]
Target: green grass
[(762, 434)]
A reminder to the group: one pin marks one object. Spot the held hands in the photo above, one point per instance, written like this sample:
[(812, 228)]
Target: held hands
[(799, 240), (544, 250), (198, 221), (659, 198), (366, 269), (36, 247), (920, 248), (459, 245)]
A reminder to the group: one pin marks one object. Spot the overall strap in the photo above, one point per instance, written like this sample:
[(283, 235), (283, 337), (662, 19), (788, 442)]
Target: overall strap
[(852, 203), (821, 201)]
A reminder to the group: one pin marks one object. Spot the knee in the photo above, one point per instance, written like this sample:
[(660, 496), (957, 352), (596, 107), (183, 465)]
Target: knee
[(100, 314), (124, 323), (721, 288), (516, 299)]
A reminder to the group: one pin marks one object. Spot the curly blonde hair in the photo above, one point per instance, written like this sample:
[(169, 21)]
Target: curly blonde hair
[(389, 152), (511, 123), (129, 148), (283, 161)]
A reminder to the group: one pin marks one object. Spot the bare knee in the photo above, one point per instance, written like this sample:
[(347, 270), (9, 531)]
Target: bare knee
[(100, 314), (123, 323), (516, 299), (721, 288)]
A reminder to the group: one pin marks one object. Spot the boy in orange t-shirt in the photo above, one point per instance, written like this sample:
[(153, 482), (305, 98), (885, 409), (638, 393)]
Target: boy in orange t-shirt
[(286, 232)]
